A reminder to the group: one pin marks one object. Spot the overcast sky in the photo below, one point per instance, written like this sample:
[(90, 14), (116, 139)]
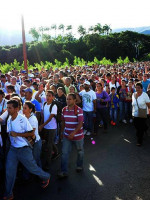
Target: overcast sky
[(117, 13)]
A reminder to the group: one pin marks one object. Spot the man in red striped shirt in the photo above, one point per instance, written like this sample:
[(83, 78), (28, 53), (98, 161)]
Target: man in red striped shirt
[(72, 131)]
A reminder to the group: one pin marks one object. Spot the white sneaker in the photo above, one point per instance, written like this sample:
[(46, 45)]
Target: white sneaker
[(88, 133), (84, 132), (131, 120), (124, 121)]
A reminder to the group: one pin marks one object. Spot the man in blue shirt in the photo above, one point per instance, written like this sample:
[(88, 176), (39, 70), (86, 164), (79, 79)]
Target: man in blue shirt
[(145, 82)]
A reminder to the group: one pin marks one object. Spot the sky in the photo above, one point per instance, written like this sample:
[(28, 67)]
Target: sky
[(116, 13)]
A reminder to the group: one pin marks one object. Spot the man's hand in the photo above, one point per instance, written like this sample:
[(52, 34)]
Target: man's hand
[(71, 136), (13, 134), (40, 128)]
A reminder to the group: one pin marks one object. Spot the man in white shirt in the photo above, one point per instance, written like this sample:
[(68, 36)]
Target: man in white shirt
[(89, 106), (18, 128), (49, 132)]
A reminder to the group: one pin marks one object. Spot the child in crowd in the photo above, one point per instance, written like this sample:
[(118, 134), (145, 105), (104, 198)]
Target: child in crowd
[(113, 104)]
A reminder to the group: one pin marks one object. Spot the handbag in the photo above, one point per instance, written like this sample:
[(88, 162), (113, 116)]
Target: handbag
[(103, 103), (142, 112)]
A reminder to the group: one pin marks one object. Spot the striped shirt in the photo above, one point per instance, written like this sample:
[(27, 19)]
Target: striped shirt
[(71, 122)]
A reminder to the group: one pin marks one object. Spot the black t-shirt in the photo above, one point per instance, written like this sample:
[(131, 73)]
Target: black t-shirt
[(61, 99)]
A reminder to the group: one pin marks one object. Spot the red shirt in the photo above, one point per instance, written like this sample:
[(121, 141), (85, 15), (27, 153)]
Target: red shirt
[(71, 121)]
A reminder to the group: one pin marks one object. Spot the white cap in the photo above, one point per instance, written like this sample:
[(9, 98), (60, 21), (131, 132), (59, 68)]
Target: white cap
[(87, 83)]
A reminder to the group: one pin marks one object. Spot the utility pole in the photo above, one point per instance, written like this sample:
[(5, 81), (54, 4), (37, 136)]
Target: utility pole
[(24, 45)]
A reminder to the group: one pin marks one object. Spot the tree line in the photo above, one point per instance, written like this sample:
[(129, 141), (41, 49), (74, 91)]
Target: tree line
[(96, 43)]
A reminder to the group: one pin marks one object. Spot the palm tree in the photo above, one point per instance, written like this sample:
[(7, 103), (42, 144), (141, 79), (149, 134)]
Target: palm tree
[(41, 29), (91, 29), (35, 34), (98, 28), (106, 29), (62, 27), (69, 27), (55, 28), (81, 30)]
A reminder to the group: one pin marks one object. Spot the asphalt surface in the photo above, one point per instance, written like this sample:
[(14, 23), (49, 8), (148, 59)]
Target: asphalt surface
[(114, 169)]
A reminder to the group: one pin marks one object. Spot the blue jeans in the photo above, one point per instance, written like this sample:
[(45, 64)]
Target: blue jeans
[(25, 156), (37, 152), (88, 120), (113, 114), (66, 149), (122, 112)]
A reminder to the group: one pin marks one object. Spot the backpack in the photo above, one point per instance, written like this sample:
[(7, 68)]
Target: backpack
[(59, 109), (75, 110)]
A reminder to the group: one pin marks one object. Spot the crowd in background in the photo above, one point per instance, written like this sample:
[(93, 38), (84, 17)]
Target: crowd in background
[(44, 106)]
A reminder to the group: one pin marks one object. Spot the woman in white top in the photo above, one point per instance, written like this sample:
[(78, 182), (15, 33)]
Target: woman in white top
[(139, 100), (28, 111)]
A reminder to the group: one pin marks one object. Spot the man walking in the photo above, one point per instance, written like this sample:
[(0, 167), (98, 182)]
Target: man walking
[(72, 131)]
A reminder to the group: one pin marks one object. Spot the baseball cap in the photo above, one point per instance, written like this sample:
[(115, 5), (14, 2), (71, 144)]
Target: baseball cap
[(28, 90), (86, 83)]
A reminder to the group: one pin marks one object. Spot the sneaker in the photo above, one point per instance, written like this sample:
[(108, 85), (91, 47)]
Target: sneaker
[(111, 122), (124, 121), (79, 169), (88, 133), (11, 197), (131, 120), (62, 175), (114, 124), (84, 132), (55, 156), (45, 183), (100, 125)]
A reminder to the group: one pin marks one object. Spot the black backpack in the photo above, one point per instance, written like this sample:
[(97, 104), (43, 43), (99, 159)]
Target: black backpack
[(59, 109)]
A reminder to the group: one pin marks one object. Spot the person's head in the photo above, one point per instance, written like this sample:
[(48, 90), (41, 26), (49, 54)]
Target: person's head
[(2, 95), (35, 85), (60, 91), (87, 85), (113, 79), (12, 107), (130, 84), (3, 78), (71, 89), (81, 87), (56, 78), (41, 86), (113, 90), (140, 76), (22, 92), (123, 83), (67, 81), (27, 82), (13, 80), (10, 89), (28, 108), (53, 88), (71, 99), (61, 74), (108, 76), (17, 98), (28, 94), (49, 96), (145, 77), (99, 87), (139, 87)]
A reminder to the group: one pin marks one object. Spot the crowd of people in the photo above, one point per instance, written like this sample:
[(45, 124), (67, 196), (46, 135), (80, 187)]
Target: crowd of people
[(41, 108)]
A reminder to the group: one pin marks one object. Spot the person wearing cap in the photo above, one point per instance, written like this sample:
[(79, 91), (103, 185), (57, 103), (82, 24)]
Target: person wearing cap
[(28, 97), (89, 106)]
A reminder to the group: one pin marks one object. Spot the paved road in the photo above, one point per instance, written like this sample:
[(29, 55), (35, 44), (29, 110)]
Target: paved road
[(114, 169)]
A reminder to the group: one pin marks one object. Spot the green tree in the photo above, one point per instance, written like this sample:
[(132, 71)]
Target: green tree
[(35, 34), (81, 30), (91, 29), (69, 27), (62, 27), (98, 28), (54, 26)]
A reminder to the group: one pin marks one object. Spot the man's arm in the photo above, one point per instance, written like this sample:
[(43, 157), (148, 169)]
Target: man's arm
[(94, 101), (80, 124), (26, 134)]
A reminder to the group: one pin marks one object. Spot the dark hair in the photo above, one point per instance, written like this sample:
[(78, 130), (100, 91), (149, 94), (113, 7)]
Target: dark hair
[(99, 84), (73, 95), (14, 103), (139, 84), (50, 92), (113, 89), (11, 87), (61, 88), (30, 105), (27, 81), (2, 92)]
